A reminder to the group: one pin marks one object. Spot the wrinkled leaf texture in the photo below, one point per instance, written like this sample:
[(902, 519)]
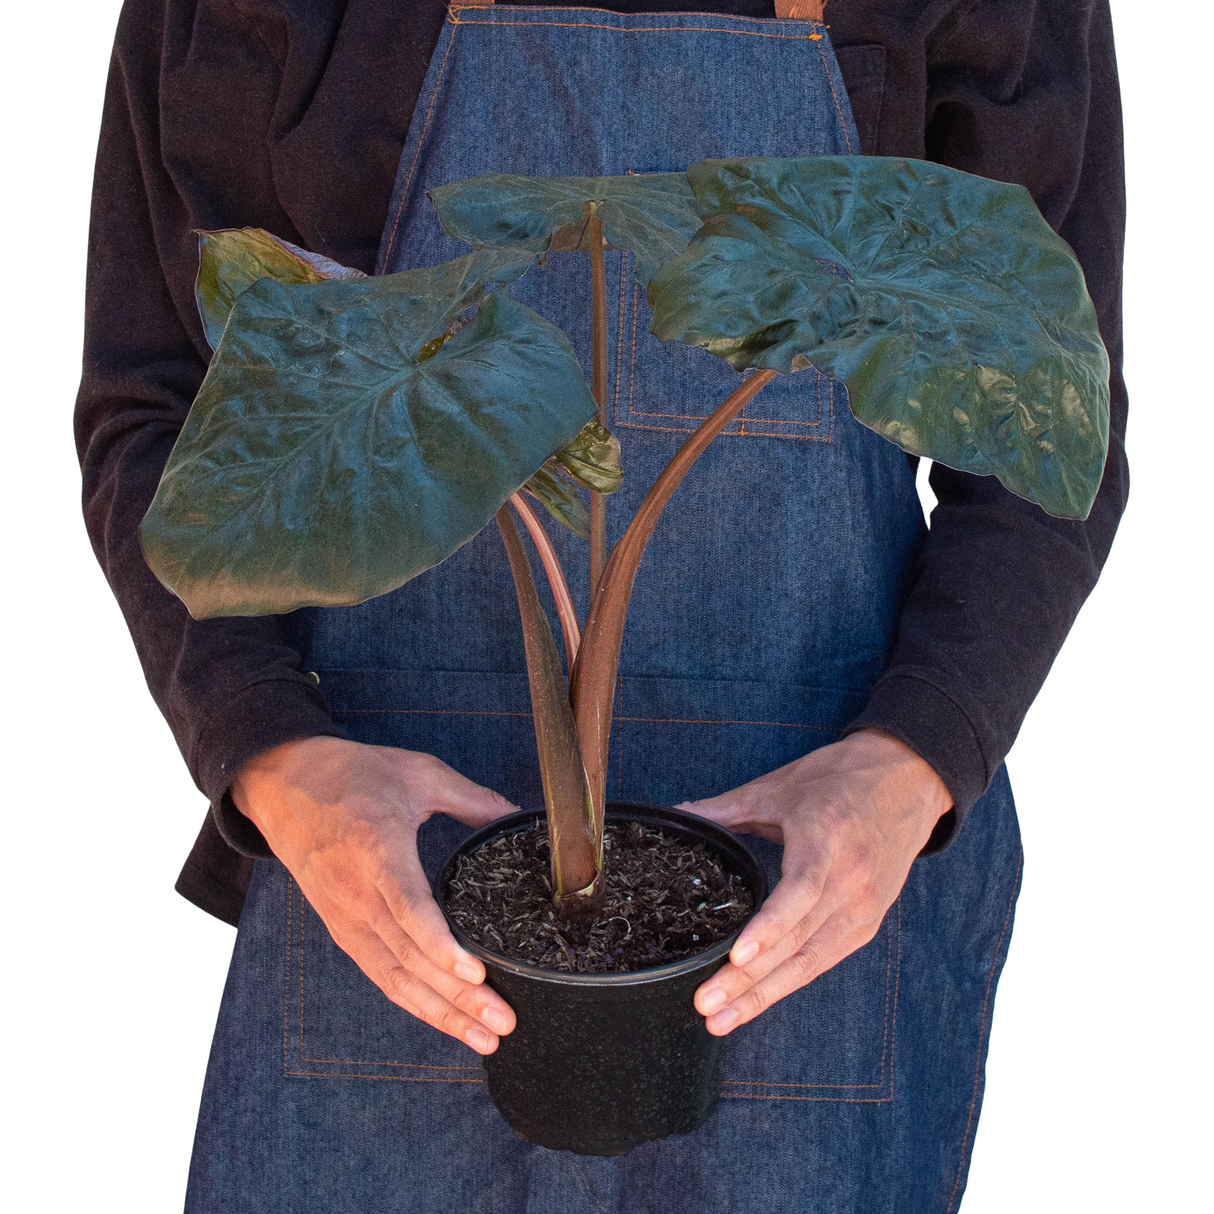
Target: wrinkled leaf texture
[(958, 320), (592, 460), (553, 489), (322, 463), (649, 214)]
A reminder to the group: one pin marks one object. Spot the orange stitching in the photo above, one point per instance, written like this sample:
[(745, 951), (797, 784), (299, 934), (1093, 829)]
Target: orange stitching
[(712, 721), (776, 421), (886, 1043), (893, 1034), (741, 432), (302, 916), (982, 1032), (654, 29), (421, 141), (838, 108), (830, 1087), (805, 438), (619, 349), (564, 8), (700, 417), (632, 366), (307, 1058), (421, 1066), (389, 1078), (286, 1052), (832, 1099), (885, 1036), (428, 712), (457, 712)]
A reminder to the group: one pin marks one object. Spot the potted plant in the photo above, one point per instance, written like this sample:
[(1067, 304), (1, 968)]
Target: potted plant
[(352, 432)]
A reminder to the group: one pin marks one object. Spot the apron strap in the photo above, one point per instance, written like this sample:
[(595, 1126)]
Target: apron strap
[(800, 10), (786, 10)]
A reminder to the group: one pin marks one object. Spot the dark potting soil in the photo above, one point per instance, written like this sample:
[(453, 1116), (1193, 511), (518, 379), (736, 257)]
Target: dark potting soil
[(666, 899)]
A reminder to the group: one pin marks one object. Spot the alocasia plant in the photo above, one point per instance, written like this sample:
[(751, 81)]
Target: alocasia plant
[(352, 432)]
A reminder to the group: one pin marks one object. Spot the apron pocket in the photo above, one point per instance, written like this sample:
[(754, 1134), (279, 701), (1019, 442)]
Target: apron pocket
[(675, 387), (833, 1039), (337, 1023)]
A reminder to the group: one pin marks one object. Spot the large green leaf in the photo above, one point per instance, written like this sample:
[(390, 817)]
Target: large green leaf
[(324, 462), (232, 259), (957, 318), (650, 214)]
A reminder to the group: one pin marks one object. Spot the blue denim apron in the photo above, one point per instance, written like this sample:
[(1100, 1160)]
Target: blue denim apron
[(763, 613)]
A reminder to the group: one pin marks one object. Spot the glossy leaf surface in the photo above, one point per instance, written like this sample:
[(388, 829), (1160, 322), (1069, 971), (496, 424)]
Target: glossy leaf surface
[(650, 214), (553, 489), (958, 320), (233, 259), (323, 463), (593, 458)]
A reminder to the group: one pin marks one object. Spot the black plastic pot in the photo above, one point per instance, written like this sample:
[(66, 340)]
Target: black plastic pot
[(600, 1063)]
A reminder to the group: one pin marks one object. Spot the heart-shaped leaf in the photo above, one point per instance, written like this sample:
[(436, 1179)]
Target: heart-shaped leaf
[(957, 318), (324, 462), (232, 259), (650, 214)]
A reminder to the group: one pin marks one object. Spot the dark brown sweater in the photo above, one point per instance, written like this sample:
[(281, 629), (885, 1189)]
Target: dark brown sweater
[(290, 115)]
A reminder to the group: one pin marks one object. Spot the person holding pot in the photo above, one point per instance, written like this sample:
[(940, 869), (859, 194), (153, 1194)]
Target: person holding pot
[(846, 684)]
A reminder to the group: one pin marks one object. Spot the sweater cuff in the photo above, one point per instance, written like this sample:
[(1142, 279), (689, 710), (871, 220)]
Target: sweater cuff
[(261, 717), (913, 709)]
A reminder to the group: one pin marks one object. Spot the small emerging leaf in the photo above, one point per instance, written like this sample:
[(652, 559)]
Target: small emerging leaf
[(232, 259), (550, 487), (593, 458), (650, 214), (431, 348)]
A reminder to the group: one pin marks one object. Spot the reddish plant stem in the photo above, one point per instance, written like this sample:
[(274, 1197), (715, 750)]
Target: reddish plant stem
[(576, 852), (566, 612), (598, 384), (592, 686)]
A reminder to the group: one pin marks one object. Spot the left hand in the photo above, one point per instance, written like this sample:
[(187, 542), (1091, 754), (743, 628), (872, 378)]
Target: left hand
[(852, 817)]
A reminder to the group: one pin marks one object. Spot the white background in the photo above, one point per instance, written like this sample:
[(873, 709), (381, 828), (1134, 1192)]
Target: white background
[(1099, 1071)]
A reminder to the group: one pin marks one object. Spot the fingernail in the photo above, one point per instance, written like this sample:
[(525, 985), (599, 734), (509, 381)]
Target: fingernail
[(722, 1022), (711, 1000), (496, 1019), (744, 951), (468, 972), (479, 1039)]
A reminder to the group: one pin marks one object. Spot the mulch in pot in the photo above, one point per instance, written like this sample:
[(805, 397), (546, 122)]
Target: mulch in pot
[(667, 898)]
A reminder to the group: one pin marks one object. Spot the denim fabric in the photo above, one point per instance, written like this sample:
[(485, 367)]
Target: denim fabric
[(763, 613)]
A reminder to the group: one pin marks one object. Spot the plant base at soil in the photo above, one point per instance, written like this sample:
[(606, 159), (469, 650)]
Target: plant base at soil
[(666, 899)]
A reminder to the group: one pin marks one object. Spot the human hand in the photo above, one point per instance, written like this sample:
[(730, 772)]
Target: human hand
[(852, 817), (343, 818)]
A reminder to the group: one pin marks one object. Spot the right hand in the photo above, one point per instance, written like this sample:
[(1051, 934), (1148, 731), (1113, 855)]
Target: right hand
[(343, 818)]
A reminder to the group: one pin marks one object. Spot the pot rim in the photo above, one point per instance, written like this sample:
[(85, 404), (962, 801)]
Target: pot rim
[(512, 823)]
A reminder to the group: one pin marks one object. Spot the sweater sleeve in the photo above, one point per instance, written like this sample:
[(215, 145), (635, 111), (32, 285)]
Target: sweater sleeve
[(229, 688), (1024, 92)]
